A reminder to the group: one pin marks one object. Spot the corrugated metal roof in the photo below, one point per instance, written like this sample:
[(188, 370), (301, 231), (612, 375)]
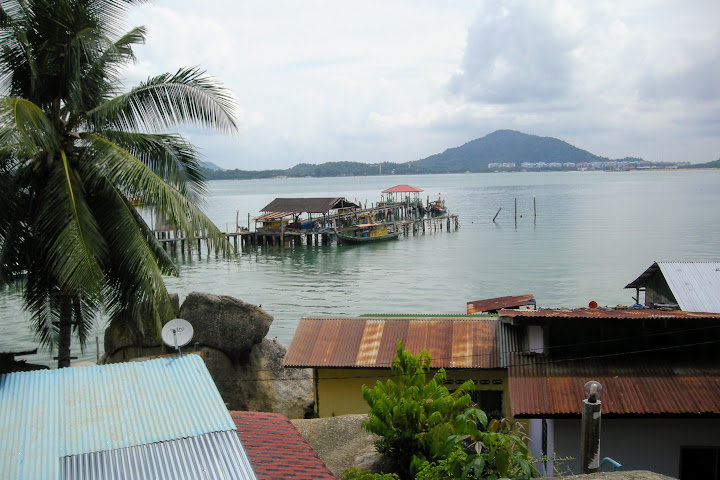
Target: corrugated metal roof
[(631, 386), (211, 456), (48, 414), (695, 285), (309, 205), (402, 189), (494, 304), (536, 316), (462, 342)]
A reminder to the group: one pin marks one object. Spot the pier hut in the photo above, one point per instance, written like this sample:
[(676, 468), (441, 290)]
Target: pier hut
[(404, 195), (281, 220)]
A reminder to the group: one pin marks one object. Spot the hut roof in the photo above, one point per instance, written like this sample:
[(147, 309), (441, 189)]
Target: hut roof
[(402, 189), (308, 205)]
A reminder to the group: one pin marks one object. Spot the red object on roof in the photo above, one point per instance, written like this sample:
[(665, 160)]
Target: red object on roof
[(276, 449), (371, 342), (402, 189)]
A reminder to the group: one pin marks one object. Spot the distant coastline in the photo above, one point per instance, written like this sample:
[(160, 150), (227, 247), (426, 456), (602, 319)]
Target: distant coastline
[(500, 151)]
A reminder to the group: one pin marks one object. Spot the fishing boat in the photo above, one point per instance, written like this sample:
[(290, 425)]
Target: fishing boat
[(437, 207), (365, 232)]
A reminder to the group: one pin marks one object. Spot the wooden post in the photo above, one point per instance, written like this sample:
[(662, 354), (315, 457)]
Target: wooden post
[(515, 210), (498, 213)]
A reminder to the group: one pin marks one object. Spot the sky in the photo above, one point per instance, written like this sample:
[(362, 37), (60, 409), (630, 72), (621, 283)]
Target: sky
[(395, 81)]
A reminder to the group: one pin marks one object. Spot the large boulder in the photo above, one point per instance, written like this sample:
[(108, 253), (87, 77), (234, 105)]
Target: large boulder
[(259, 382), (225, 323)]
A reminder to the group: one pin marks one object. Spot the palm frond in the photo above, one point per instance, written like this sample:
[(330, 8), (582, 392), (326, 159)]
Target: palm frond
[(25, 128), (167, 100), (135, 178), (65, 222), (171, 157)]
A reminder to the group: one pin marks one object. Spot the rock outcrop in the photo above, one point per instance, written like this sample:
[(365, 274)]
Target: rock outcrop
[(246, 367)]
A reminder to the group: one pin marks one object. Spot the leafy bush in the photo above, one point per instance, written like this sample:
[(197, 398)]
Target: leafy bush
[(413, 416), (354, 473), (482, 450)]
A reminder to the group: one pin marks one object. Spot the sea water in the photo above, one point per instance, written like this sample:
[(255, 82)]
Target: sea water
[(577, 237)]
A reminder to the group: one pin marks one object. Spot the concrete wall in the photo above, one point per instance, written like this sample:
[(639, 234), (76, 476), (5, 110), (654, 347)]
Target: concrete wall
[(338, 390), (638, 444)]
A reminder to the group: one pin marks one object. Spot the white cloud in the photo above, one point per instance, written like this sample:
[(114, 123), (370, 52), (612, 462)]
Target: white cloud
[(373, 81)]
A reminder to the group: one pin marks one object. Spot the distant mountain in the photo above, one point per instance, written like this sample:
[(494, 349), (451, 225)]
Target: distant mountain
[(506, 146), (212, 167), (713, 164), (502, 146)]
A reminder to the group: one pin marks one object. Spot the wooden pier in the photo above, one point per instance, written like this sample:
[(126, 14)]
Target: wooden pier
[(405, 223)]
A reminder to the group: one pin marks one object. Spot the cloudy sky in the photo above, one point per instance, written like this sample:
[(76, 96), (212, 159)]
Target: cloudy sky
[(387, 80)]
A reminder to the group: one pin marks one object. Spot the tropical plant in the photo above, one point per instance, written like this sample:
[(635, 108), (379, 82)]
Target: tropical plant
[(482, 450), (413, 416), (74, 147)]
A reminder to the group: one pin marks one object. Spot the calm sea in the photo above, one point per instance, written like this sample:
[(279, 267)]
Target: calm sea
[(594, 233)]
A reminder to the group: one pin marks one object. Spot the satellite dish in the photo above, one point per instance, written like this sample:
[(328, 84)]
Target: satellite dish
[(177, 333)]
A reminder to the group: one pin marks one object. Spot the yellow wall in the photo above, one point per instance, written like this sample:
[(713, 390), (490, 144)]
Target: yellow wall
[(338, 390)]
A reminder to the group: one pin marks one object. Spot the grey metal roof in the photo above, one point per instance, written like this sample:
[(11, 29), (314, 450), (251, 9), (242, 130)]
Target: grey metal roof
[(307, 205), (49, 414), (695, 285), (211, 456)]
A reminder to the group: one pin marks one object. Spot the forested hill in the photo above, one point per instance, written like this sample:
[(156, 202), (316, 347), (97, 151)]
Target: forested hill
[(506, 146), (502, 146)]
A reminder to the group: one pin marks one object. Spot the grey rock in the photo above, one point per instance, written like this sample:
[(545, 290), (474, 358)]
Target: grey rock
[(225, 323)]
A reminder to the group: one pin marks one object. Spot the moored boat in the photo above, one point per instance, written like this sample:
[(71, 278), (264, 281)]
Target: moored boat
[(365, 232), (437, 207)]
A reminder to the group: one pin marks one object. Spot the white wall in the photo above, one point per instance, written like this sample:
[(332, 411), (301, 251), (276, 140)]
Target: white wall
[(637, 444)]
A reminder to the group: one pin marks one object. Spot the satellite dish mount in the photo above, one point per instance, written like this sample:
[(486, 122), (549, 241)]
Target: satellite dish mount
[(177, 333)]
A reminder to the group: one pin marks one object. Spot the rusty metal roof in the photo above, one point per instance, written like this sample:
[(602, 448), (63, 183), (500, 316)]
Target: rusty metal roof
[(402, 189), (694, 285), (631, 386), (307, 205), (371, 341), (519, 317), (495, 304)]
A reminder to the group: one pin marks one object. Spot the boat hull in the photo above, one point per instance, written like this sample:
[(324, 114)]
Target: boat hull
[(344, 239)]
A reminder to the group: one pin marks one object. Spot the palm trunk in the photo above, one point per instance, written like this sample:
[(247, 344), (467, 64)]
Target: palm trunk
[(65, 333)]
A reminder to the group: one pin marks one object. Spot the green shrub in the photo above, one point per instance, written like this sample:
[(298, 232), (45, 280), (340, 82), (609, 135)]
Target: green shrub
[(354, 473), (413, 416), (482, 450)]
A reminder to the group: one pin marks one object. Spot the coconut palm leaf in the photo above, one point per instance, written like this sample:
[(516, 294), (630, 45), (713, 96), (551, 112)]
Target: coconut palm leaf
[(168, 100)]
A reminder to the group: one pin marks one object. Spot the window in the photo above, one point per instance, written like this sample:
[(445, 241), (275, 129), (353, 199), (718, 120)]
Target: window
[(699, 462), (489, 401)]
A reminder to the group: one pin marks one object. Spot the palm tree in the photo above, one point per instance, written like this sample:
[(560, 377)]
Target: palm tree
[(74, 147)]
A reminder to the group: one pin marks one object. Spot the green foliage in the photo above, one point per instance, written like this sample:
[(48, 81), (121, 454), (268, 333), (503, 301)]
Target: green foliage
[(482, 450), (73, 148), (413, 416), (354, 473)]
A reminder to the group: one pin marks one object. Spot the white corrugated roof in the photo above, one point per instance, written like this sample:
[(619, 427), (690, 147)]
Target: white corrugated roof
[(49, 414), (695, 285)]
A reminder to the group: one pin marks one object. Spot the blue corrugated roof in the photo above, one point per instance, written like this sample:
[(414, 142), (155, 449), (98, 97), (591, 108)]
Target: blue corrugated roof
[(48, 414)]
